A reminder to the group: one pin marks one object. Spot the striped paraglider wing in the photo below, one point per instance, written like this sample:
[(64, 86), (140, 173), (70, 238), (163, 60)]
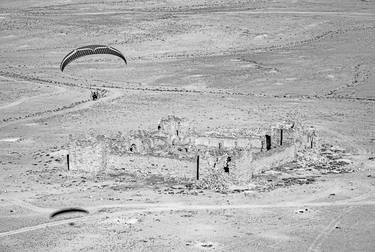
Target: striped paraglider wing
[(88, 50)]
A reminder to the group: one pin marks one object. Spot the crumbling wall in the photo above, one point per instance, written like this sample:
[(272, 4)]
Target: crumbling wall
[(88, 155), (263, 161), (308, 138), (292, 133), (242, 167), (175, 126), (251, 162), (211, 163), (175, 138), (228, 142), (174, 146), (151, 165)]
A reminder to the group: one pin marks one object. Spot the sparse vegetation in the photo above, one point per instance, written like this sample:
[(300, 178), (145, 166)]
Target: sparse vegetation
[(233, 68)]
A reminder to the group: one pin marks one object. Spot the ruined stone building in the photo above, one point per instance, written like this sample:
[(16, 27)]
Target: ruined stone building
[(173, 147)]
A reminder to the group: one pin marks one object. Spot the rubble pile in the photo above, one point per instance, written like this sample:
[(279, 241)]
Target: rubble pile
[(328, 159), (217, 180), (311, 164)]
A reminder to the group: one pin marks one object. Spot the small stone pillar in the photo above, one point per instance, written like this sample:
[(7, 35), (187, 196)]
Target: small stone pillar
[(281, 136)]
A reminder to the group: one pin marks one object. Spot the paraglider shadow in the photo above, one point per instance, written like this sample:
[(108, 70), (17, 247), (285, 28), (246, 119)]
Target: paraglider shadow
[(68, 210)]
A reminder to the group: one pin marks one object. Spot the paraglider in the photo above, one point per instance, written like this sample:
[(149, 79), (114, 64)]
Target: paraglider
[(88, 50)]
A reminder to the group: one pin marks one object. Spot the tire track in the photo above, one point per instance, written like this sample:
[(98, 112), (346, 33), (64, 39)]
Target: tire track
[(360, 76), (30, 206), (116, 94), (78, 105), (319, 240), (24, 99), (145, 208), (67, 109), (233, 93)]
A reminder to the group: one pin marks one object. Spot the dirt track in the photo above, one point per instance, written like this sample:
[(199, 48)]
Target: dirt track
[(149, 208)]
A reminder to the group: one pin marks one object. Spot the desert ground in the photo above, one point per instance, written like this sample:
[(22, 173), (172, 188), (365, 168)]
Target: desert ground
[(222, 64)]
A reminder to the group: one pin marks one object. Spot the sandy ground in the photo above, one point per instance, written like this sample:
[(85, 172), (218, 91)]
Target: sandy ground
[(223, 64)]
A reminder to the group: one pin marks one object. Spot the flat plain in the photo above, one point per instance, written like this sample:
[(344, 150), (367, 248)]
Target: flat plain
[(222, 64)]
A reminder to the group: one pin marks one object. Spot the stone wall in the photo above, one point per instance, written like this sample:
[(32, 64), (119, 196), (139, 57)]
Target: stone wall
[(242, 167), (250, 162), (174, 126), (228, 142), (263, 161), (151, 165), (88, 156)]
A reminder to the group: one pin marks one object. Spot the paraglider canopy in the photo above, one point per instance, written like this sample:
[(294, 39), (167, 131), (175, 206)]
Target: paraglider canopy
[(88, 50)]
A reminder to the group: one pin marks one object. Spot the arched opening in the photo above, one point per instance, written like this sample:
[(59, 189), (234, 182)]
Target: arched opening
[(268, 142), (133, 148)]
